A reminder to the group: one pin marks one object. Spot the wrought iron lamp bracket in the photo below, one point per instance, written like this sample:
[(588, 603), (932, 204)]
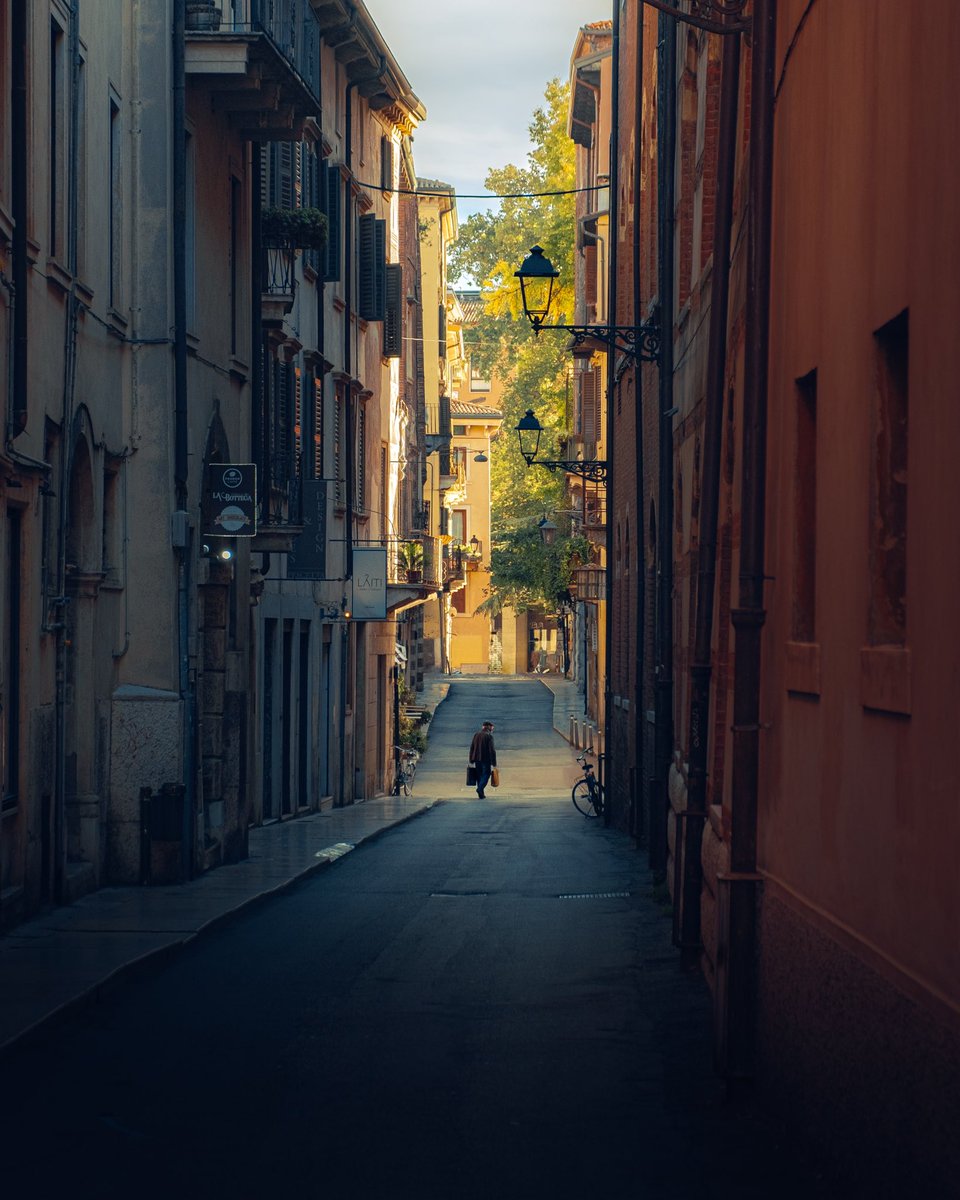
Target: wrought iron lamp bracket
[(594, 470), (715, 16), (641, 342)]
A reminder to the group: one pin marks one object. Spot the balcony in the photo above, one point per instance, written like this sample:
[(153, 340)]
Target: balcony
[(260, 63), (588, 583), (455, 571), (414, 571)]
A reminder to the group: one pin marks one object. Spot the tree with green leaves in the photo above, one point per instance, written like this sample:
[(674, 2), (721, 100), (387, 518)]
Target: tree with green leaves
[(536, 373)]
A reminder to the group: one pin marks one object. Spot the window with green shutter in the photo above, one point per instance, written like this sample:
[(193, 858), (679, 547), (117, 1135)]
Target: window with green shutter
[(371, 290), (393, 320)]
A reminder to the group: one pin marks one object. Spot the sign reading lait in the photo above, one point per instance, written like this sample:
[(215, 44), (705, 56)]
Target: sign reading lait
[(369, 584), (229, 502)]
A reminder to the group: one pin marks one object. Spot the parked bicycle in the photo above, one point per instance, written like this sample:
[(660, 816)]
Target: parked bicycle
[(588, 791), (406, 770)]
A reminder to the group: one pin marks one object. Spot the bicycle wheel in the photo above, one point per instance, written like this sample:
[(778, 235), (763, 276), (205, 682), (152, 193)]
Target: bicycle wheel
[(405, 782), (583, 798)]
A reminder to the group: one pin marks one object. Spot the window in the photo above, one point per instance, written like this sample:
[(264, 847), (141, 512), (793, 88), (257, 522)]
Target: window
[(338, 461), (458, 526), (80, 259), (360, 501), (888, 512), (10, 662), (386, 164), (478, 383), (318, 428), (805, 511), (56, 157), (371, 295), (236, 216), (393, 316), (115, 230)]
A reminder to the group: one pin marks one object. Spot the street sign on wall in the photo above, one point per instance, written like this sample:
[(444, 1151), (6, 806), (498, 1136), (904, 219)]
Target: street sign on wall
[(229, 502), (369, 584), (308, 556)]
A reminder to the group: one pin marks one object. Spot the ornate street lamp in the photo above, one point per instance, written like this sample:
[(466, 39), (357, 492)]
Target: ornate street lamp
[(548, 531), (528, 434), (537, 274)]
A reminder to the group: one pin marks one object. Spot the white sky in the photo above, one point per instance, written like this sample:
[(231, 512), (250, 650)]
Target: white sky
[(480, 67)]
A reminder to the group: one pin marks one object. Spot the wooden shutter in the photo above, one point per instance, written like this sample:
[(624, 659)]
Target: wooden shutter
[(393, 319), (589, 406), (590, 274), (371, 292), (386, 164), (442, 325), (333, 206), (318, 427), (361, 464)]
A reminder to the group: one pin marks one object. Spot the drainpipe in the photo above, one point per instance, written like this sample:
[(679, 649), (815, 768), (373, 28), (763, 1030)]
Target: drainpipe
[(639, 716), (739, 888), (611, 409), (686, 912), (181, 462), (17, 416), (663, 685)]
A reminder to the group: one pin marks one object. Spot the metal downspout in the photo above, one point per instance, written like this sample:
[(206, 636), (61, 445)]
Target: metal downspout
[(739, 925), (181, 461), (611, 410), (663, 684), (686, 911)]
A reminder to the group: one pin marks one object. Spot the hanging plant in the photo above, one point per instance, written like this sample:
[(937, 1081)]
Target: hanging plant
[(302, 228)]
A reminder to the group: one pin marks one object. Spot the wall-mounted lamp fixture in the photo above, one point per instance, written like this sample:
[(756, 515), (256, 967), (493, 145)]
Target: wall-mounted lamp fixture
[(336, 612), (537, 274), (481, 457), (548, 531), (221, 553), (528, 434)]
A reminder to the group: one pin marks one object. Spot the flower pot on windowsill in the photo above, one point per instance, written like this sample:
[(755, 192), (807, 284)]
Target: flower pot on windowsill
[(202, 16), (414, 575)]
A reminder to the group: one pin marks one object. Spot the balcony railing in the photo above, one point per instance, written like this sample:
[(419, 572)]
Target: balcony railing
[(415, 561), (289, 24)]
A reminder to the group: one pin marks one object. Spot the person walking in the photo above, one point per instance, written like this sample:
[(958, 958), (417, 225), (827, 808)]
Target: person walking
[(483, 755)]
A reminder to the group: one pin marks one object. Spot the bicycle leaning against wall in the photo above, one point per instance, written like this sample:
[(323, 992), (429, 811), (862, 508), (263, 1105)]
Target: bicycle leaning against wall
[(406, 770), (588, 791)]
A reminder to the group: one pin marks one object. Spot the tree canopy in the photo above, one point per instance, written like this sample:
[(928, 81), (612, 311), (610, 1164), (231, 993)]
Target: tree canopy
[(535, 371)]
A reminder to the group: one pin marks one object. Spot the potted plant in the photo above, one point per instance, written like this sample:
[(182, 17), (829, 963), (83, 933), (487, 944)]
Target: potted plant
[(301, 228), (410, 555)]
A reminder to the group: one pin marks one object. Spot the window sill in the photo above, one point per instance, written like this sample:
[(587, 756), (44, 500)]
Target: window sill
[(802, 668), (885, 679), (58, 275)]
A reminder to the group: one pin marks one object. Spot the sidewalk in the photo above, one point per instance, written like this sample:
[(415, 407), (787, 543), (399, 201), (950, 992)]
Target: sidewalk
[(67, 956)]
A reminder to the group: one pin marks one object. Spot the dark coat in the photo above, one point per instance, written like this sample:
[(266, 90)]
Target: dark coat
[(482, 749)]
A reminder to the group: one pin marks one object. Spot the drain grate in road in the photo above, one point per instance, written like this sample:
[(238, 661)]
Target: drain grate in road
[(454, 895), (593, 896)]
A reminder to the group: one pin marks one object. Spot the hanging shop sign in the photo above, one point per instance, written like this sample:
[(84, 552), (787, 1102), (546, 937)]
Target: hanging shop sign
[(370, 584), (229, 502), (308, 555)]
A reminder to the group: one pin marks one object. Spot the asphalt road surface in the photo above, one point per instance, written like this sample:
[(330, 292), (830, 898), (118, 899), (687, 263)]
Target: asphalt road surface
[(482, 1003)]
